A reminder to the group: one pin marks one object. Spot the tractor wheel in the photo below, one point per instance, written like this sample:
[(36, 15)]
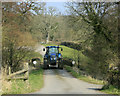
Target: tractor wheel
[(45, 66), (60, 67)]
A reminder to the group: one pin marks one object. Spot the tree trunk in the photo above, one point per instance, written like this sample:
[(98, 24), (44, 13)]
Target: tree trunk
[(119, 46), (47, 39)]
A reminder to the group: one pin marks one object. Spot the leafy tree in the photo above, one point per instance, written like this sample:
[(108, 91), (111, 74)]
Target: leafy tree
[(16, 39), (45, 25), (95, 15)]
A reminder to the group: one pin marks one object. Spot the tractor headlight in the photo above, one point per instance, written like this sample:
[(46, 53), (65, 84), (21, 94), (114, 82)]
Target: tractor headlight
[(53, 58)]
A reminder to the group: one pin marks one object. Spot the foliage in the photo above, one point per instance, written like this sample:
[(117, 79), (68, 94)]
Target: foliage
[(91, 26), (32, 55), (98, 16), (110, 89), (45, 25), (72, 45), (16, 40)]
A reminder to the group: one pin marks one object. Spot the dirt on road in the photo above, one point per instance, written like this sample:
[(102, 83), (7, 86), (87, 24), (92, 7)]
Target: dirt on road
[(58, 81)]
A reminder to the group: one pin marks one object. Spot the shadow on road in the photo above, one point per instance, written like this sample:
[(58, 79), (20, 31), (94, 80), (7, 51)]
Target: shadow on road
[(97, 89)]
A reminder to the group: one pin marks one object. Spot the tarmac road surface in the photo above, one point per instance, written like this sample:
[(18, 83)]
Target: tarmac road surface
[(58, 81)]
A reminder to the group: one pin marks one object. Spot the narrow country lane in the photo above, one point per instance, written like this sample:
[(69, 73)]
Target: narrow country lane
[(58, 81)]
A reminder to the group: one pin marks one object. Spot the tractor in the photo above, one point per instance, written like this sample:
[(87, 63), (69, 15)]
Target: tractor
[(53, 57)]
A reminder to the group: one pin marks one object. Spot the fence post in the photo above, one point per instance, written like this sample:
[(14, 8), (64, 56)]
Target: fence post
[(27, 73), (5, 71), (9, 70), (26, 67)]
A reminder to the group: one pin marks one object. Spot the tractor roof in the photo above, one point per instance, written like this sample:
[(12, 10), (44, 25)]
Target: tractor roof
[(52, 47)]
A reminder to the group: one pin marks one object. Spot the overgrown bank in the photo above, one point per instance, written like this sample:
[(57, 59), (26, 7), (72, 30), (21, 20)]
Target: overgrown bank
[(21, 87), (82, 77), (35, 79), (109, 89)]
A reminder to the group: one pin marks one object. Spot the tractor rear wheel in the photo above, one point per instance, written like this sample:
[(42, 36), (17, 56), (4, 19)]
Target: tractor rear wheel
[(45, 66)]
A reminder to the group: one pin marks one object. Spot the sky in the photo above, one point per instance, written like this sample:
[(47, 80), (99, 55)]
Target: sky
[(59, 5)]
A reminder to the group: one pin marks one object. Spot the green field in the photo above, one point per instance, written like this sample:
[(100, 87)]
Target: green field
[(81, 77)]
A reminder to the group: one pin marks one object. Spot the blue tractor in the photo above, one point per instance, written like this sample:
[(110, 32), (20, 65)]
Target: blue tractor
[(53, 57)]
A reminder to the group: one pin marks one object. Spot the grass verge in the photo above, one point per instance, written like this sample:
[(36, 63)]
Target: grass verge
[(21, 87), (81, 77), (110, 89)]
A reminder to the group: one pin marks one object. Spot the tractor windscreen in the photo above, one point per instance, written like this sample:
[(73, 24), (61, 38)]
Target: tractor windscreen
[(53, 50)]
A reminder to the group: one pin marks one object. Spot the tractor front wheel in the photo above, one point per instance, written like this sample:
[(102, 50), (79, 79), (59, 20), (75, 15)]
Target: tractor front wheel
[(60, 66)]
